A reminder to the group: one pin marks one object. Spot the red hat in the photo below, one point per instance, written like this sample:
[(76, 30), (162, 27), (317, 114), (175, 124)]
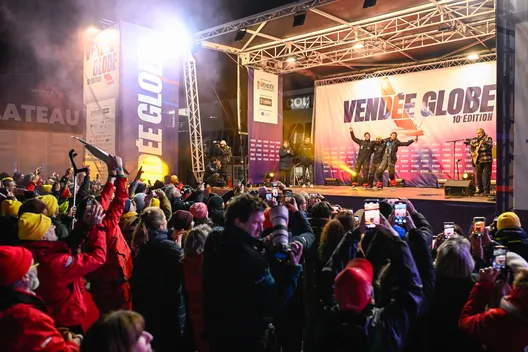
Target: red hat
[(353, 285), (199, 211), (15, 262)]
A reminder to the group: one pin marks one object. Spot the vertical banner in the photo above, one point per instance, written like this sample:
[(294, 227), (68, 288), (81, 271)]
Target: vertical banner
[(264, 124), (520, 180), (149, 88), (100, 94), (438, 106)]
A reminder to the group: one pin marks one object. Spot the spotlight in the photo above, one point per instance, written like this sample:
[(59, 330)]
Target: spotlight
[(353, 173), (299, 18), (369, 3), (92, 29), (240, 34), (467, 176), (473, 57), (291, 60), (358, 45), (271, 174)]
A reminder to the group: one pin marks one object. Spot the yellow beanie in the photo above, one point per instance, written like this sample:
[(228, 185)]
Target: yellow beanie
[(52, 204), (64, 207), (32, 227), (10, 207), (508, 220), (155, 203), (46, 189)]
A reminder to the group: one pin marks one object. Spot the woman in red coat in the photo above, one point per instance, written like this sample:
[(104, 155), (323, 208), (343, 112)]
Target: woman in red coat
[(192, 274)]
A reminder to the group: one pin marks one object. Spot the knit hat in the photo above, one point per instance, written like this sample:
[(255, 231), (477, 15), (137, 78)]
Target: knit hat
[(199, 211), (181, 220), (127, 206), (215, 202), (32, 227), (15, 262), (155, 203), (46, 189), (353, 285), (174, 180), (139, 199), (508, 220), (385, 208), (11, 207), (52, 204), (140, 188)]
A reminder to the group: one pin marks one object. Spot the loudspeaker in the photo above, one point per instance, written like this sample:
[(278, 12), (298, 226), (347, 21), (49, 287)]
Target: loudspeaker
[(459, 188), (332, 181)]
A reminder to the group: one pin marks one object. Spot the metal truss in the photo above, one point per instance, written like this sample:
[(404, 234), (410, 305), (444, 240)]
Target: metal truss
[(251, 21), (406, 68), (195, 125), (438, 23)]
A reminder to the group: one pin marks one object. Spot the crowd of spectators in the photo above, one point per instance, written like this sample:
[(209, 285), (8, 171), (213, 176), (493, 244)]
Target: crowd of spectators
[(141, 266)]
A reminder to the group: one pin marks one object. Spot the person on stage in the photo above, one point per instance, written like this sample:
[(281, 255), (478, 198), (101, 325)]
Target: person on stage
[(378, 151), (390, 158), (481, 150), (285, 163), (363, 159), (223, 153), (306, 159)]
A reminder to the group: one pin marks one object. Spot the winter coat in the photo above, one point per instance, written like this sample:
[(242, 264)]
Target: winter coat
[(109, 284), (392, 147), (366, 148), (25, 325), (378, 150), (500, 329), (61, 276), (192, 271), (60, 229), (286, 158), (217, 216), (306, 154), (240, 293), (377, 328), (9, 232), (157, 290), (514, 239), (449, 298)]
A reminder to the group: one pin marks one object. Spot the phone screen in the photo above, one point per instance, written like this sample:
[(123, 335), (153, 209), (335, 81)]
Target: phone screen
[(269, 197), (449, 229), (479, 225), (372, 214), (356, 218), (287, 193), (499, 259), (275, 192), (89, 206), (400, 213)]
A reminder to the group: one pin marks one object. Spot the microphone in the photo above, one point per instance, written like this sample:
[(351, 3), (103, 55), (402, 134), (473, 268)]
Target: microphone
[(459, 160)]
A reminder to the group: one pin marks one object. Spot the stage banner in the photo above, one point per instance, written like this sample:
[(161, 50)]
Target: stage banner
[(264, 124), (26, 104), (100, 94), (438, 106), (149, 92), (520, 180)]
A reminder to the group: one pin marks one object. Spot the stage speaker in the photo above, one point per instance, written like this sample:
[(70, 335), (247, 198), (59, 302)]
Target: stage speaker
[(331, 181), (459, 188)]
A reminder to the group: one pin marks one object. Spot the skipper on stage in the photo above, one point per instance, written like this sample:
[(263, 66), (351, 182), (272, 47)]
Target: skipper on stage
[(481, 151)]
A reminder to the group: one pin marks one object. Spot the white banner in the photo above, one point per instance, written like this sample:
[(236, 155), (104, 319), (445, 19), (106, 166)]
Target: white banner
[(520, 179), (265, 97)]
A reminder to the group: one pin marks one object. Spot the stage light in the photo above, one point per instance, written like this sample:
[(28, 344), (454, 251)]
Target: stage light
[(369, 3), (473, 57), (176, 33), (291, 60), (353, 173), (271, 174), (92, 30), (358, 45), (299, 18), (467, 176), (240, 34)]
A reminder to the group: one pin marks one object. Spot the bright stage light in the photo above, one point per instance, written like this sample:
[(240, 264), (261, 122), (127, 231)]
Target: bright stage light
[(353, 173), (473, 57), (92, 30), (271, 174), (465, 176), (291, 59), (358, 45)]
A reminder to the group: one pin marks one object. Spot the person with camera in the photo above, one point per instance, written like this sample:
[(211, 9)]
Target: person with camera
[(223, 153), (245, 284)]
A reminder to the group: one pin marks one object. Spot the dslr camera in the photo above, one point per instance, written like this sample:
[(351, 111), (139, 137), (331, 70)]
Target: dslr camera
[(280, 235)]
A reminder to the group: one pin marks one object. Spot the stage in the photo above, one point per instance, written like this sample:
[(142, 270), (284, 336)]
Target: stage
[(429, 201)]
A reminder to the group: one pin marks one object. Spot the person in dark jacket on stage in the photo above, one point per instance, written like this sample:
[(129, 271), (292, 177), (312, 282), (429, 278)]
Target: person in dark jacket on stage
[(355, 323), (306, 159), (286, 163), (157, 281), (366, 148), (390, 158), (243, 287), (378, 150)]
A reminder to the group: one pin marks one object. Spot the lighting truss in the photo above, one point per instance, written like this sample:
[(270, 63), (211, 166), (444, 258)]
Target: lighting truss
[(406, 68), (195, 125)]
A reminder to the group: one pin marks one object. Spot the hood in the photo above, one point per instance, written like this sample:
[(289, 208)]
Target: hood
[(517, 303), (511, 235), (158, 235)]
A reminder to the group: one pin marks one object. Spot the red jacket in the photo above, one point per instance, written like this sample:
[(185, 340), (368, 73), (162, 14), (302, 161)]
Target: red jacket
[(192, 273), (109, 284), (500, 329), (26, 327), (61, 276)]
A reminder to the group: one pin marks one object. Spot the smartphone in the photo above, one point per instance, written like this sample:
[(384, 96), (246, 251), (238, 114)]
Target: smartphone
[(89, 206), (269, 197), (479, 225), (499, 258), (287, 193), (449, 229), (400, 212), (392, 201), (356, 218), (275, 192), (372, 214)]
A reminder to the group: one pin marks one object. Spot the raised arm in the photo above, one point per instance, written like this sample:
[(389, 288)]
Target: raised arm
[(353, 136)]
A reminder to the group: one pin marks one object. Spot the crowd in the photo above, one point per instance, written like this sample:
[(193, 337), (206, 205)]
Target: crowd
[(135, 266)]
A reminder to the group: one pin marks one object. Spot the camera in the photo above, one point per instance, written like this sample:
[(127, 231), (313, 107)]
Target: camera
[(280, 235)]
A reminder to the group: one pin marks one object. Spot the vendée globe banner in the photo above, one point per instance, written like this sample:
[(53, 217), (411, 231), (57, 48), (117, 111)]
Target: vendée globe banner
[(264, 124), (149, 96), (438, 106)]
